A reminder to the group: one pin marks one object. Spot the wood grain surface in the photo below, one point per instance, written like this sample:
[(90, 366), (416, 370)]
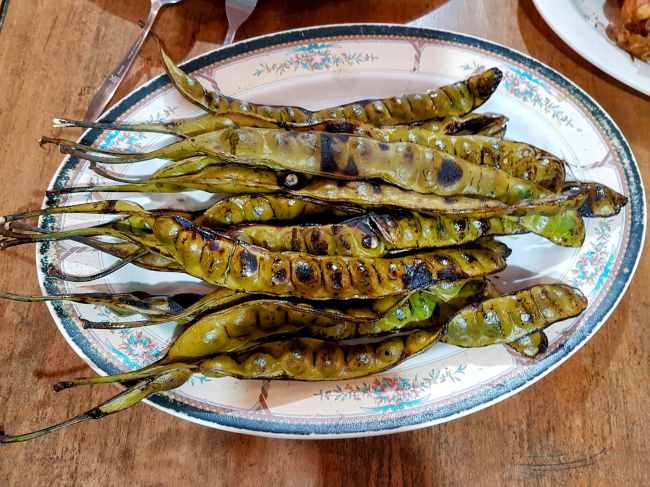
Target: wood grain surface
[(587, 423)]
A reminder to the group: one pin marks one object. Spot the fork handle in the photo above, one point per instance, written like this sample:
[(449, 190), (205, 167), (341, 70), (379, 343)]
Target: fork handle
[(113, 81), (230, 35)]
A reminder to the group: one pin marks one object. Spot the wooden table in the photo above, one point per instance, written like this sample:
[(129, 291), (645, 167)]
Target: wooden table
[(585, 424)]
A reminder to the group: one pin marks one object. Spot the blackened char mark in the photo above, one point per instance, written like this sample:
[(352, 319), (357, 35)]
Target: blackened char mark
[(340, 127), (483, 225), (460, 225), (304, 272), (247, 263), (362, 274), (327, 156), (317, 243), (469, 258), (351, 168), (188, 225), (336, 275), (450, 172), (408, 153), (417, 275), (342, 138), (473, 125), (369, 238), (279, 277), (487, 82), (449, 274)]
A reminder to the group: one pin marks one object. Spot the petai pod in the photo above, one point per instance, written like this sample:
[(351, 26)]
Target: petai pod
[(376, 235), (488, 124), (371, 195), (122, 304), (420, 309), (518, 159), (341, 156), (245, 323), (521, 160), (452, 100), (505, 319), (268, 208), (311, 359), (298, 359), (218, 259), (601, 200)]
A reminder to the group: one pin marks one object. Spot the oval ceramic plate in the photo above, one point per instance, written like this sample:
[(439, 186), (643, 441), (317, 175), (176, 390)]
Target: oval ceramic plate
[(329, 65), (581, 24)]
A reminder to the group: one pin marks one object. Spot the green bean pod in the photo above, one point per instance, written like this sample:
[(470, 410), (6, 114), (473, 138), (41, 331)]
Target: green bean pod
[(166, 380), (420, 309), (523, 161), (488, 124), (453, 100), (601, 201), (245, 323), (341, 156), (505, 319), (310, 359), (377, 235), (239, 209), (125, 251), (134, 228), (531, 345), (297, 359), (122, 304), (371, 195), (219, 260), (232, 210)]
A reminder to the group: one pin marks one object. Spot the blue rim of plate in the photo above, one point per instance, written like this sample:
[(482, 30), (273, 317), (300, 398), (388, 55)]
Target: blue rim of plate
[(499, 391)]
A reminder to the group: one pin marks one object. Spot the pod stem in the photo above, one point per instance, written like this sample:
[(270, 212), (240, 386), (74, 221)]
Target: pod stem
[(70, 145), (164, 381), (114, 177), (90, 153), (148, 372), (59, 274), (15, 238), (208, 303), (107, 207), (121, 325), (152, 127), (144, 187), (84, 298)]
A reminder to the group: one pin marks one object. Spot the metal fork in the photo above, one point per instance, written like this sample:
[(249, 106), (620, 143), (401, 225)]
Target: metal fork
[(110, 85), (237, 12), (4, 6)]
